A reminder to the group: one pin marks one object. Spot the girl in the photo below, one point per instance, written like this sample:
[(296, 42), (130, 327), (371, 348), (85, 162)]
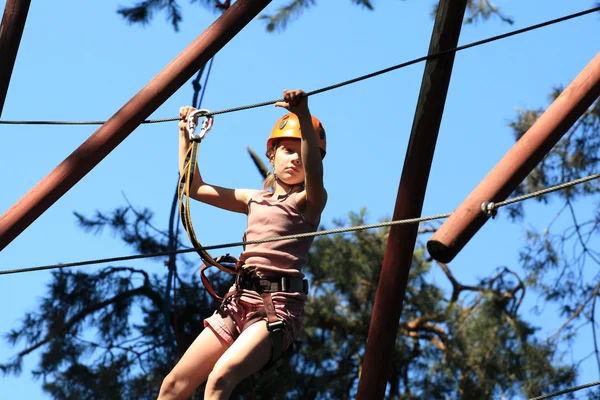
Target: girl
[(263, 313)]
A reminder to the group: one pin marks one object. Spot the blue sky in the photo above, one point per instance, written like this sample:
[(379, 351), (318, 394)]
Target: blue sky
[(80, 61)]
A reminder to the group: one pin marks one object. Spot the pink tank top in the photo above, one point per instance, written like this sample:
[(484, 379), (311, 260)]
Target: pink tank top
[(271, 217)]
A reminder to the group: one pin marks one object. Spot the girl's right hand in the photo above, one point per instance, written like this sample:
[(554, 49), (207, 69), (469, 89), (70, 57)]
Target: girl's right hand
[(184, 113)]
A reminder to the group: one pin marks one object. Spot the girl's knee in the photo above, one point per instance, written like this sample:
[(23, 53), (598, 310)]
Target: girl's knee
[(224, 377), (170, 388)]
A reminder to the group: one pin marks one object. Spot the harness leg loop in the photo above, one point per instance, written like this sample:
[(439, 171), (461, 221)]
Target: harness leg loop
[(276, 328)]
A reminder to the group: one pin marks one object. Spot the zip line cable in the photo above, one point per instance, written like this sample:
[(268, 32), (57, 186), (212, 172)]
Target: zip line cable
[(337, 85), (571, 390), (296, 236)]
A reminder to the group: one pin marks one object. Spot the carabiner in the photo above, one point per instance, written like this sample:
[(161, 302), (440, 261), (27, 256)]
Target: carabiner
[(206, 124)]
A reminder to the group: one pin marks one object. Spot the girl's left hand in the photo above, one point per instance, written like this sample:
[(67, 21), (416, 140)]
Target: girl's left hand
[(296, 101), (184, 113)]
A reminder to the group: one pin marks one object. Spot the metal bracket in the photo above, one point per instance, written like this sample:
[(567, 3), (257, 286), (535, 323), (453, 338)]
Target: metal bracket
[(489, 208)]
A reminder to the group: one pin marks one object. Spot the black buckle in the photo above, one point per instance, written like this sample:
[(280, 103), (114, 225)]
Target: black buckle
[(243, 282), (275, 326), (285, 284), (264, 285)]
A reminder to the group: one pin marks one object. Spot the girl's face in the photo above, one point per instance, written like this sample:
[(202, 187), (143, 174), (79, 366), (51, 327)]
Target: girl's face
[(287, 162)]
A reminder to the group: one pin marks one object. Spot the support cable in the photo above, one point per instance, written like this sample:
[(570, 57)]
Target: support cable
[(337, 85), (296, 236), (570, 390)]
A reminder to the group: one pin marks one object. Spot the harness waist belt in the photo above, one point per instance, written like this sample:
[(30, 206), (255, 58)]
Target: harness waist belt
[(279, 284)]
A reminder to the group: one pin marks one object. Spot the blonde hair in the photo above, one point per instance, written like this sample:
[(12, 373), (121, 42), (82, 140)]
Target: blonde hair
[(269, 182), (270, 179)]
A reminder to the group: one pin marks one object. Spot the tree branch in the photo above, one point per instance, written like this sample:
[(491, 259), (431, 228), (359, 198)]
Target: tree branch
[(432, 339), (145, 290), (577, 311)]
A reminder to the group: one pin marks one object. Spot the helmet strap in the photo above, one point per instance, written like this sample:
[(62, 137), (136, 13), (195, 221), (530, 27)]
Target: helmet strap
[(291, 187)]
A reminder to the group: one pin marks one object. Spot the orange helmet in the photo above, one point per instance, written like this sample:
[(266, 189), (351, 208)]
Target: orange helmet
[(288, 126)]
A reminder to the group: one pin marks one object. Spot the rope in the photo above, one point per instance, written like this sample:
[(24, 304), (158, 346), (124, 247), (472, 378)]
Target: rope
[(148, 121), (548, 190), (221, 246), (337, 85), (174, 231), (490, 207), (289, 237), (571, 390), (421, 59)]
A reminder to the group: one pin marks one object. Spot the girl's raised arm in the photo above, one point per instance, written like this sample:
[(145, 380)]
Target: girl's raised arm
[(235, 200), (316, 195)]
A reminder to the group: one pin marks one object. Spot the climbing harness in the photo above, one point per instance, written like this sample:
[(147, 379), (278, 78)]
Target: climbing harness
[(249, 280), (246, 277)]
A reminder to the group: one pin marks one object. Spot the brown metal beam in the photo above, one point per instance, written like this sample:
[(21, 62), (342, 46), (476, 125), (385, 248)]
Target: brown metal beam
[(520, 160), (398, 256), (129, 117), (11, 30)]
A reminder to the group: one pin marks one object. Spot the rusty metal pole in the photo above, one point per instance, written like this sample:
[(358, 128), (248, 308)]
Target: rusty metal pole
[(520, 160), (409, 202), (11, 30), (120, 125)]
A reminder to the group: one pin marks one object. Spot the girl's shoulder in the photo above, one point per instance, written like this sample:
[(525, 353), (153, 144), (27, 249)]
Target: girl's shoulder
[(255, 194)]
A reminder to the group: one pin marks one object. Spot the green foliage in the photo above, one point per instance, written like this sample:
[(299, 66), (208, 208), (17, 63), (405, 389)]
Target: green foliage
[(102, 335), (484, 10), (561, 262), (143, 12)]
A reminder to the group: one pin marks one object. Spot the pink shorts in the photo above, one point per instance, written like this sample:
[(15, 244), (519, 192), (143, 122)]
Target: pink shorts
[(242, 311)]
